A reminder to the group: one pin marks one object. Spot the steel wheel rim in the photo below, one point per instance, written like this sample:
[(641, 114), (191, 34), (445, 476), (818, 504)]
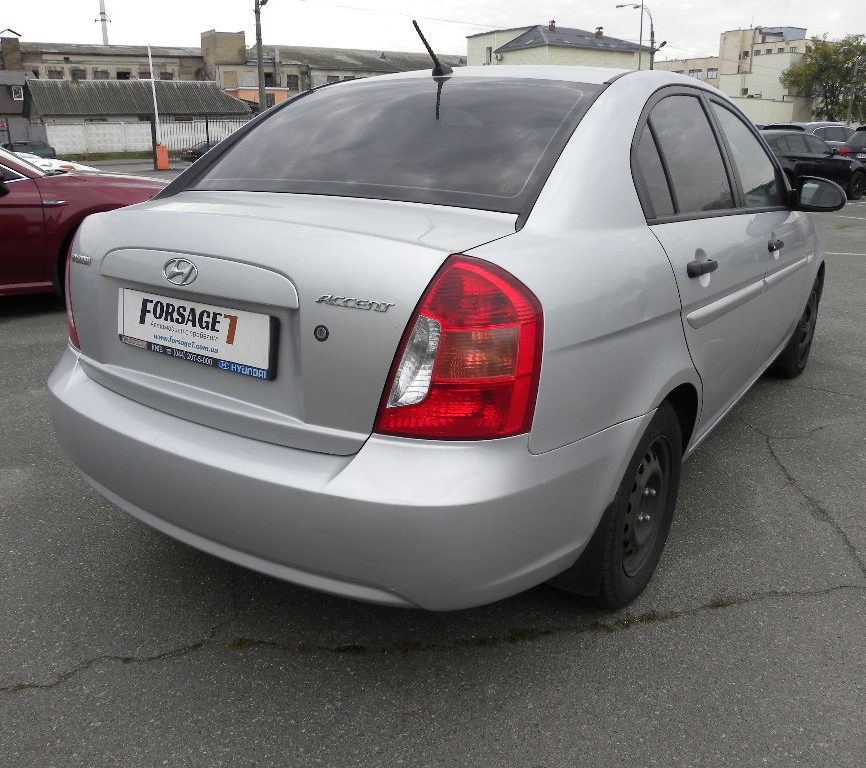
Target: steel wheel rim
[(647, 503), (806, 327)]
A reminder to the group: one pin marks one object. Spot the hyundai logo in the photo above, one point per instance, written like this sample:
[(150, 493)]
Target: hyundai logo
[(179, 271)]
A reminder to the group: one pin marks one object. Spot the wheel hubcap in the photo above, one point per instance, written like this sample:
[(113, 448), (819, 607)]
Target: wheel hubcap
[(646, 506)]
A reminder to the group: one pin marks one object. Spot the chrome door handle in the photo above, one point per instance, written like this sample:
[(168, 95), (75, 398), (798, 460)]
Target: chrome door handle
[(775, 245), (698, 268)]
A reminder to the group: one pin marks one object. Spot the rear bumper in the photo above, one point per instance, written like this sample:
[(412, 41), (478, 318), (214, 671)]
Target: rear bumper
[(403, 522)]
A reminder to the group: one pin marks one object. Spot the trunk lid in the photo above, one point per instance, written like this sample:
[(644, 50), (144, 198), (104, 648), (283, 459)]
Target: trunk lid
[(354, 267)]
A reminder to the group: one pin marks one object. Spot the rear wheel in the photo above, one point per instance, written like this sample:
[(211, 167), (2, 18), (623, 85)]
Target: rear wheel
[(625, 549), (792, 360), (857, 185)]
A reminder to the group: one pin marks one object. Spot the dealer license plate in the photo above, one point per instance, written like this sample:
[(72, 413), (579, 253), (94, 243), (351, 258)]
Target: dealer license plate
[(224, 338)]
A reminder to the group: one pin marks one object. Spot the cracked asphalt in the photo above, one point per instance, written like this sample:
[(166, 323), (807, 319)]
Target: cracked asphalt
[(120, 647)]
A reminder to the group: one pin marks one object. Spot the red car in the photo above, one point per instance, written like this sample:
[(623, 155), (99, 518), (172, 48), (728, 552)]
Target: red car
[(40, 211)]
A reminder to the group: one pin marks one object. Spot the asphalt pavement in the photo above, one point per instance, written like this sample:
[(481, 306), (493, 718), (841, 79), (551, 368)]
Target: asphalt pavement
[(121, 647)]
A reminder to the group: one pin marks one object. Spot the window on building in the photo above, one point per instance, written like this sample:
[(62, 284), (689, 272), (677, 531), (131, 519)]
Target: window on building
[(144, 74), (745, 54), (77, 73), (54, 74), (691, 155), (292, 82), (166, 75), (769, 50), (123, 75), (698, 74), (269, 80), (757, 52), (488, 55), (17, 92), (679, 72), (793, 50), (780, 50), (100, 74), (744, 91), (712, 73), (349, 77), (333, 78)]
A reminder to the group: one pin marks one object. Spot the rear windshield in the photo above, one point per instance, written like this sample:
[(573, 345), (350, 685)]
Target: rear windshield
[(858, 139), (473, 142)]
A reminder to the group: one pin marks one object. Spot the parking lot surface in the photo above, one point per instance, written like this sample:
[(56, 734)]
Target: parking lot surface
[(121, 647)]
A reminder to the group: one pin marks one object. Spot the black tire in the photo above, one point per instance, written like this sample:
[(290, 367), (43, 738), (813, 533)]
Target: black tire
[(856, 185), (625, 549), (792, 360)]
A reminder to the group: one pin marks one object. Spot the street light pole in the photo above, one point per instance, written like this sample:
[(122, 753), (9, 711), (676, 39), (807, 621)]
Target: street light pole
[(853, 90), (257, 9), (643, 9)]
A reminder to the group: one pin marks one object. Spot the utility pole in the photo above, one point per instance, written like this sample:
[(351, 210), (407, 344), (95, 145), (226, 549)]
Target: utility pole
[(103, 19), (257, 9)]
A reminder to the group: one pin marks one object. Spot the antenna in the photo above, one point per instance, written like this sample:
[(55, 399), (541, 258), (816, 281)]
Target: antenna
[(439, 69), (103, 19)]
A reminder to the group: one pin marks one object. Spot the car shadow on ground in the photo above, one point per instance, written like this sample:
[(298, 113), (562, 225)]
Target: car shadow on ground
[(30, 304)]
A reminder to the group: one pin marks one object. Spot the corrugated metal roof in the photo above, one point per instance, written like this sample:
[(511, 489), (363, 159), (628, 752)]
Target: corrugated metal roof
[(130, 97), (66, 49), (354, 58), (568, 38)]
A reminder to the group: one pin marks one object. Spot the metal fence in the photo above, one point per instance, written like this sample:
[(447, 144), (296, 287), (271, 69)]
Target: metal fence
[(178, 134)]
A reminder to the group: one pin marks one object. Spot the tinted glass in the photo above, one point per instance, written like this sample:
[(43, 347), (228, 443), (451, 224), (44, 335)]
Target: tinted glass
[(755, 169), (780, 144), (797, 143), (815, 145), (689, 148), (858, 140), (9, 174), (833, 133), (649, 178), (472, 142)]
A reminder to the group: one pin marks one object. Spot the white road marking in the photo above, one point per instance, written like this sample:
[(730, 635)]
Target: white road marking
[(859, 218), (834, 253)]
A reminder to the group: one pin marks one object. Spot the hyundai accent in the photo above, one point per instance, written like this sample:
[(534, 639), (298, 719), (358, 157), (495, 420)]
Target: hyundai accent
[(431, 341)]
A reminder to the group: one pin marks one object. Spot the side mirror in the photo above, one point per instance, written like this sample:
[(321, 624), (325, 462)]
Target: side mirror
[(818, 195)]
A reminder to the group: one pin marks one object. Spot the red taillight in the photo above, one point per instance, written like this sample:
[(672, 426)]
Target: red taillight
[(844, 150), (70, 318), (468, 365)]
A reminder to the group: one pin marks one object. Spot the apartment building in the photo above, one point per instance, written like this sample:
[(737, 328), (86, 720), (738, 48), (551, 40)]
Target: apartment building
[(748, 69)]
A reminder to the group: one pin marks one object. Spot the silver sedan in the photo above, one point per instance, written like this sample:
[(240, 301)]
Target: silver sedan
[(431, 341)]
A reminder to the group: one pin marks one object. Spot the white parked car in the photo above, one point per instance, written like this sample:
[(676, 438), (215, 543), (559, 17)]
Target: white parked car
[(55, 164), (431, 341)]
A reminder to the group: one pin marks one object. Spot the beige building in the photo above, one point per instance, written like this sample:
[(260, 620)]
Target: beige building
[(223, 57), (748, 69), (551, 44)]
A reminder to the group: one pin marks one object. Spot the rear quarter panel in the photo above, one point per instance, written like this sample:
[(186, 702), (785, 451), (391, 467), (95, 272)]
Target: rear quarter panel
[(613, 338)]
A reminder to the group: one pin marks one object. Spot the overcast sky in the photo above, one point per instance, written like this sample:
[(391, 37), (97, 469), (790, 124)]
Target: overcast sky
[(691, 28)]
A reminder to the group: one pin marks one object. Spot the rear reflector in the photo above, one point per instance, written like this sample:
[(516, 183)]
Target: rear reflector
[(67, 290), (468, 365)]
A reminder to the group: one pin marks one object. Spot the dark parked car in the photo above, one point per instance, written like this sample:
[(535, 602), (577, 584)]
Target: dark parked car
[(40, 211), (33, 146), (856, 145), (801, 154), (835, 134), (193, 153)]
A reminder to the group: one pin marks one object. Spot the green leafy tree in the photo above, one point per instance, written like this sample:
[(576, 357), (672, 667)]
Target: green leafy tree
[(832, 75)]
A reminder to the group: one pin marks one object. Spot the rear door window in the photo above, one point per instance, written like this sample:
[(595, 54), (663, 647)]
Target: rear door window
[(691, 155), (756, 171), (474, 142)]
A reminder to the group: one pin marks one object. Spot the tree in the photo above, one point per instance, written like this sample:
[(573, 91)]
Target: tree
[(832, 74)]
